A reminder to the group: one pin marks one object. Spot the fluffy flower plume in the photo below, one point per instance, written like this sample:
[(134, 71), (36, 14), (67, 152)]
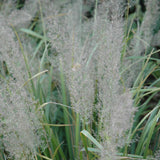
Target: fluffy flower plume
[(19, 123), (74, 53), (115, 106)]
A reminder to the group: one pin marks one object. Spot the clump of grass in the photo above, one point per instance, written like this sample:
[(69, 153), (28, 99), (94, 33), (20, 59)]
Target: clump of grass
[(86, 58)]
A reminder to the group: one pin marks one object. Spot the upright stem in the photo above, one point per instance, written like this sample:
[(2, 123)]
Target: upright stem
[(65, 111), (77, 135)]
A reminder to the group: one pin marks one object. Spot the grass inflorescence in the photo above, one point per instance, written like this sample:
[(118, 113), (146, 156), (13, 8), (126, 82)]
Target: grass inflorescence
[(79, 79)]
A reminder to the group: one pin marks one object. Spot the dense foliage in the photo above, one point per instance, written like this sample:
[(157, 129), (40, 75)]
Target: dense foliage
[(79, 79)]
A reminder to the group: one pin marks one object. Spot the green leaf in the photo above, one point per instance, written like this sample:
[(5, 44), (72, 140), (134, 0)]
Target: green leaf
[(91, 138), (34, 34), (91, 150)]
